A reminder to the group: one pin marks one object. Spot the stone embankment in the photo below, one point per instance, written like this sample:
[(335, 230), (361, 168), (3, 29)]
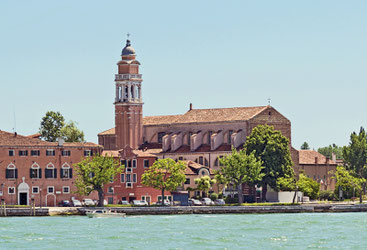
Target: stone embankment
[(309, 208)]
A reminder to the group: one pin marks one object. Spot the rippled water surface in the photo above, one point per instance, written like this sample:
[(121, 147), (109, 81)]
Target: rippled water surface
[(253, 231)]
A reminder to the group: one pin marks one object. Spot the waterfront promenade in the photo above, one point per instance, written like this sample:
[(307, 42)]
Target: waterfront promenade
[(263, 209)]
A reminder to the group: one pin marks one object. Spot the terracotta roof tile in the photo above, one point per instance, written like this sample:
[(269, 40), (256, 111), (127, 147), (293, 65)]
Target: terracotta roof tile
[(110, 131), (309, 157), (10, 139)]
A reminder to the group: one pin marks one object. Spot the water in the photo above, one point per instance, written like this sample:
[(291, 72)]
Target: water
[(253, 231)]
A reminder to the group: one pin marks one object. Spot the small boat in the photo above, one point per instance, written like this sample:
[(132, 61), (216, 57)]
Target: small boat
[(103, 213)]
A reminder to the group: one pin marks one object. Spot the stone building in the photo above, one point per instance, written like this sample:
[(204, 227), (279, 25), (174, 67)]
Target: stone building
[(32, 169)]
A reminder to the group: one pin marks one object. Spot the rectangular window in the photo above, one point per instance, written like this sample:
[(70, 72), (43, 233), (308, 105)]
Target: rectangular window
[(122, 178), (66, 173), (23, 152), (110, 190), (87, 153), (134, 178), (11, 173), (66, 190), (230, 132), (110, 200), (35, 173), (128, 177), (129, 163), (189, 138), (129, 170), (210, 133), (187, 181), (11, 152), (50, 152), (11, 190), (65, 153), (160, 136), (50, 173), (35, 153), (134, 163), (146, 163), (35, 190), (201, 160), (50, 189)]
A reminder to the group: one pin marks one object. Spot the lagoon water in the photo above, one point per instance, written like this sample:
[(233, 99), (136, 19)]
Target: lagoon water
[(253, 231)]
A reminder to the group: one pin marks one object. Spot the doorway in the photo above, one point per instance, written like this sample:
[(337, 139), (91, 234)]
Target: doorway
[(23, 199)]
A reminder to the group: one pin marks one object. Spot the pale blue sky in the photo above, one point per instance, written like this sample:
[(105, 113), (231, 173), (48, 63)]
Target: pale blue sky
[(308, 56)]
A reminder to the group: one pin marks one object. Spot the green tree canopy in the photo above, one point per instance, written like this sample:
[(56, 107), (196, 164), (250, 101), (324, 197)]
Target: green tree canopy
[(272, 148), (93, 173), (305, 146), (165, 175), (329, 150), (355, 157), (204, 183), (240, 167), (51, 126), (308, 186), (71, 133), (220, 180), (347, 182)]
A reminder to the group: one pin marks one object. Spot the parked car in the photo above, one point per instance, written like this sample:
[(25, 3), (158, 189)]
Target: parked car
[(165, 203), (65, 203), (219, 202), (96, 202), (139, 203), (207, 202), (194, 202), (124, 203), (88, 202), (76, 203)]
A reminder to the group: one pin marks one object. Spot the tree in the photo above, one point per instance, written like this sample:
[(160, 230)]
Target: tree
[(240, 167), (308, 186), (92, 173), (220, 180), (305, 146), (330, 150), (347, 182), (165, 175), (51, 125), (355, 157), (272, 148), (204, 183), (71, 133)]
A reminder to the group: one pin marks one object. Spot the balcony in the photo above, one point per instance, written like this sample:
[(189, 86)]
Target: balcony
[(121, 77)]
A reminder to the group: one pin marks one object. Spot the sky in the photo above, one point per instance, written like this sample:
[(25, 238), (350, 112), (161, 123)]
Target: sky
[(308, 57)]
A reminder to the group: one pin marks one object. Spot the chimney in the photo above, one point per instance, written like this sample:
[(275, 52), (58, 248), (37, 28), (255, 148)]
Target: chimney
[(333, 157), (60, 141), (190, 106), (15, 134), (316, 160), (327, 160)]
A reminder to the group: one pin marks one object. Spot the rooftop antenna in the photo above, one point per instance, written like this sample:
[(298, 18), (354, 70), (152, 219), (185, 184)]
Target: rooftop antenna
[(15, 121), (269, 101)]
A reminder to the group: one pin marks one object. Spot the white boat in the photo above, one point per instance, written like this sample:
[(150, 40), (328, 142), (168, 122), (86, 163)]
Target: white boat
[(103, 213)]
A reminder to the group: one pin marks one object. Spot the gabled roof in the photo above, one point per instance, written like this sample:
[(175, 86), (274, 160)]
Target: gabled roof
[(193, 168), (308, 157), (201, 116), (206, 116)]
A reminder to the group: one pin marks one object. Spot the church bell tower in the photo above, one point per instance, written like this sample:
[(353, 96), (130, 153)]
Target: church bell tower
[(128, 101)]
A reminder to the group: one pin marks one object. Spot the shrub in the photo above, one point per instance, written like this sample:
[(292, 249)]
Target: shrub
[(308, 186), (213, 196), (230, 199), (327, 195)]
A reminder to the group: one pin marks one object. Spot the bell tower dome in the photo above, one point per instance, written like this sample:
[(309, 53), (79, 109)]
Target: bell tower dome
[(128, 100)]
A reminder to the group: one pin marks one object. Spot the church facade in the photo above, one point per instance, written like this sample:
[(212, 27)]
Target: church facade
[(201, 136)]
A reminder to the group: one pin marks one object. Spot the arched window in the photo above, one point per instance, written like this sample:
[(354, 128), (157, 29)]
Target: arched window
[(217, 162), (35, 171), (50, 171), (11, 171), (66, 172)]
